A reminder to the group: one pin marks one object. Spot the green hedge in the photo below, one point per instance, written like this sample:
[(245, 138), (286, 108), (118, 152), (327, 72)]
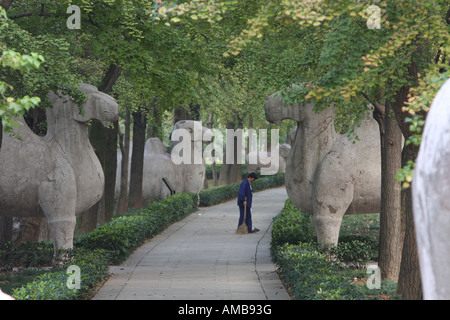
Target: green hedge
[(225, 193), (93, 266), (109, 244), (292, 226), (307, 269), (310, 276)]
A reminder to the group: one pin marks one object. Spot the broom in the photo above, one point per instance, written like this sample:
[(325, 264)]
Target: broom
[(242, 229)]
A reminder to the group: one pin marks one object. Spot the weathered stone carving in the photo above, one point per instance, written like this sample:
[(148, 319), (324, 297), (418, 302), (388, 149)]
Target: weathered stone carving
[(430, 191), (158, 164), (193, 174), (57, 176), (291, 136), (326, 174)]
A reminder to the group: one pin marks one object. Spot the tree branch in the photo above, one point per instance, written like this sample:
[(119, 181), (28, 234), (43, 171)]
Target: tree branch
[(6, 4), (110, 78), (377, 104), (29, 14)]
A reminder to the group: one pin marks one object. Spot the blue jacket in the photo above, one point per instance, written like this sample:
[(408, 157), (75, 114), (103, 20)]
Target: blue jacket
[(245, 193)]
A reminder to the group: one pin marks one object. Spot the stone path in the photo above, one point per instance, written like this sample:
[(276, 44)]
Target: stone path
[(201, 258)]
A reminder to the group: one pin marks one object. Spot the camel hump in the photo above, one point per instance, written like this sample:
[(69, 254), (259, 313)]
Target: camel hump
[(21, 133), (87, 88), (155, 146)]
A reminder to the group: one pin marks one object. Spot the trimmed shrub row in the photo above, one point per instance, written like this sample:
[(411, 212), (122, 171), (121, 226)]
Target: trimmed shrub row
[(109, 244), (292, 226), (225, 193), (310, 276), (312, 272), (93, 266)]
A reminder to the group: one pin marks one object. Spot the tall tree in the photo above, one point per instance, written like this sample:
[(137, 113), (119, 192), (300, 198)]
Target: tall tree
[(135, 199)]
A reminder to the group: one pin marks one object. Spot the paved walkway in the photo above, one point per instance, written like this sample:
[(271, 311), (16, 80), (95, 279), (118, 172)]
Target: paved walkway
[(201, 258)]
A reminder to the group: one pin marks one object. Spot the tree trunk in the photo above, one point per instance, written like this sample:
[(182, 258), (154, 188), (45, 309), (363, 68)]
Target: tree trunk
[(110, 149), (214, 164), (154, 126), (179, 114), (230, 173), (194, 111), (124, 142), (135, 199), (110, 169), (6, 4), (214, 174), (409, 283), (5, 222), (390, 211)]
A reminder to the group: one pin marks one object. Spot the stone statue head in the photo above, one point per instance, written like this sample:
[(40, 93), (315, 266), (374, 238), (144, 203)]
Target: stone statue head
[(98, 105), (284, 150), (276, 110)]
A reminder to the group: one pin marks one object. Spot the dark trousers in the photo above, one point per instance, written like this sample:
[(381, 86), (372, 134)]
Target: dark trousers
[(248, 217)]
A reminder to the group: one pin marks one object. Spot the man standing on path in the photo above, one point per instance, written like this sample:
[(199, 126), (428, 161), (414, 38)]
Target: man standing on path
[(244, 202)]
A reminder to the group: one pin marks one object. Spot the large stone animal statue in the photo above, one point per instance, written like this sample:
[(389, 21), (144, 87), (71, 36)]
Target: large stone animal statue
[(326, 174), (158, 164), (193, 174), (59, 175), (430, 191)]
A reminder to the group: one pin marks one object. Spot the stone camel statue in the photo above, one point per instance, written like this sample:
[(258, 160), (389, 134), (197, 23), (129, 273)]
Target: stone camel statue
[(327, 175), (59, 175), (430, 192)]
